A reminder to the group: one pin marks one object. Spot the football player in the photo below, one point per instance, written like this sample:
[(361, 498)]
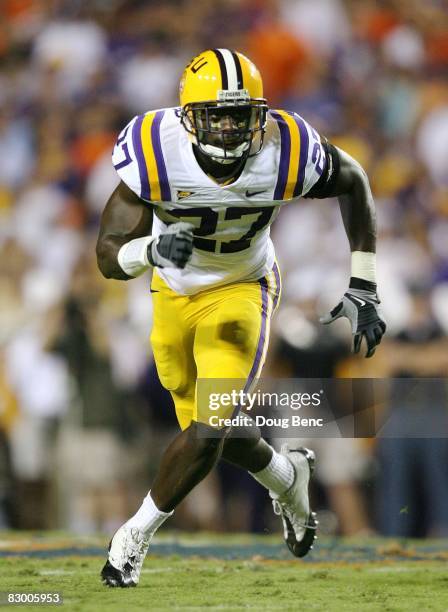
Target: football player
[(200, 186)]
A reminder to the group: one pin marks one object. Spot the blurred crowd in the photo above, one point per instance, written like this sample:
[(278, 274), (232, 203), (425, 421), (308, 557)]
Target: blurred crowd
[(82, 416)]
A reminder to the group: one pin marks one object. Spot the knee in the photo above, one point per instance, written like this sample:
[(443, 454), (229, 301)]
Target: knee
[(206, 440)]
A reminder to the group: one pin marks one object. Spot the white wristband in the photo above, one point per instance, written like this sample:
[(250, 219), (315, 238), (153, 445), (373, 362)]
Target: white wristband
[(133, 256), (364, 265)]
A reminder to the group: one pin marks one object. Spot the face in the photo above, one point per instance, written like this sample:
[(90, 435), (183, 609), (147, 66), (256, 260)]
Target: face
[(226, 131), (228, 126)]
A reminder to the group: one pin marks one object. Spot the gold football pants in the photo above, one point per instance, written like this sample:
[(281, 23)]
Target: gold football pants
[(220, 333)]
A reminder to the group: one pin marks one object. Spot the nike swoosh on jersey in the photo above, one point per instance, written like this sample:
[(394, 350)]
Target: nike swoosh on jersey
[(182, 194), (251, 194)]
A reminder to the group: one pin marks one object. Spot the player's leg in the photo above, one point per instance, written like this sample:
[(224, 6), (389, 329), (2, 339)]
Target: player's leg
[(249, 451), (286, 475), (187, 459), (231, 343), (229, 335), (245, 448), (229, 348), (193, 453)]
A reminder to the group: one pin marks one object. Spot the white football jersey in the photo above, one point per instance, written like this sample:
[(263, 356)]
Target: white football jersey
[(154, 157)]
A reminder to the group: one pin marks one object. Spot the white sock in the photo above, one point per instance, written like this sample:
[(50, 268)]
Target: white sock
[(278, 475), (148, 517)]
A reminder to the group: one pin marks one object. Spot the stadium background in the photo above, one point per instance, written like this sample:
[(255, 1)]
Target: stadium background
[(83, 419)]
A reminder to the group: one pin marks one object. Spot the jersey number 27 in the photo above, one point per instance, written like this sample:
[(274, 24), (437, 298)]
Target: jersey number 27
[(209, 222)]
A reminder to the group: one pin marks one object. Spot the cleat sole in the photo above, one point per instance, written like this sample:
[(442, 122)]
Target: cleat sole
[(113, 578)]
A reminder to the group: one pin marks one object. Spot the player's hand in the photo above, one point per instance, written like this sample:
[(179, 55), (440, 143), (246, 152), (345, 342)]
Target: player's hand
[(360, 304), (173, 248)]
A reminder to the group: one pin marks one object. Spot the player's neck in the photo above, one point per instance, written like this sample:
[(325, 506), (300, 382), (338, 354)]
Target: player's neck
[(221, 173)]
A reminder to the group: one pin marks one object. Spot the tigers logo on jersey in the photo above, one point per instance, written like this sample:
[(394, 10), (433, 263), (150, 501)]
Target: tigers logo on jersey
[(181, 195)]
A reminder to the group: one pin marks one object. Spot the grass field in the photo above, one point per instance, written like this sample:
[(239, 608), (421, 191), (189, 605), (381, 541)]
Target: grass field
[(233, 573)]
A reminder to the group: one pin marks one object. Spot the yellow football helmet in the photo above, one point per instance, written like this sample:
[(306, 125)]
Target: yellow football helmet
[(223, 109)]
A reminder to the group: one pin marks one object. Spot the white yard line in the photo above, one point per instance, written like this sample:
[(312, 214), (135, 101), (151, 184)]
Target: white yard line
[(57, 572), (391, 568), (63, 572)]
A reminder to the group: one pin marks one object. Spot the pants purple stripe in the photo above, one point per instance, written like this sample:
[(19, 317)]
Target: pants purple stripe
[(138, 148), (278, 283), (261, 339)]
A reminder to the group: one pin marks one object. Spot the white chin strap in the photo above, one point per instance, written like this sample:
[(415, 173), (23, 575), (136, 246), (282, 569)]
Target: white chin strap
[(218, 154)]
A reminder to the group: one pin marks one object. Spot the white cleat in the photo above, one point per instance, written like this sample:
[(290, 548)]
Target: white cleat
[(127, 551), (299, 522)]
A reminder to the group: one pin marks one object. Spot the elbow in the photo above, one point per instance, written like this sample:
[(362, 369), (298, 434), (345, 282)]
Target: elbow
[(101, 259), (107, 263), (105, 268), (353, 176), (359, 178), (105, 271)]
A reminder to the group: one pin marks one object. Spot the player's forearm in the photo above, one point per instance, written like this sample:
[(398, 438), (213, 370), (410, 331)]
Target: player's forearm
[(358, 213), (123, 259), (107, 250), (125, 220)]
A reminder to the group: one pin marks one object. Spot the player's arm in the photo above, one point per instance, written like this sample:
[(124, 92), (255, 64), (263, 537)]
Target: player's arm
[(346, 179), (125, 247), (351, 187)]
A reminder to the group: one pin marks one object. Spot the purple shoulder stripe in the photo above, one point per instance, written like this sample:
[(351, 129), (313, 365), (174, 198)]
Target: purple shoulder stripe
[(303, 158), (138, 148), (285, 150), (165, 190)]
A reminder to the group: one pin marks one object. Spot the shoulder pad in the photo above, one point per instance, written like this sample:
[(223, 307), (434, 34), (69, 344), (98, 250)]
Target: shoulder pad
[(294, 142), (138, 157)]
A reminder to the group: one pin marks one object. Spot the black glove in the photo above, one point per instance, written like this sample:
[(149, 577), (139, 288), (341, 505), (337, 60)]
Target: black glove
[(173, 248), (360, 304)]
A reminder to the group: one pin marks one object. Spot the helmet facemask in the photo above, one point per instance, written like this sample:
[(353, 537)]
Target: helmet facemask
[(226, 131)]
